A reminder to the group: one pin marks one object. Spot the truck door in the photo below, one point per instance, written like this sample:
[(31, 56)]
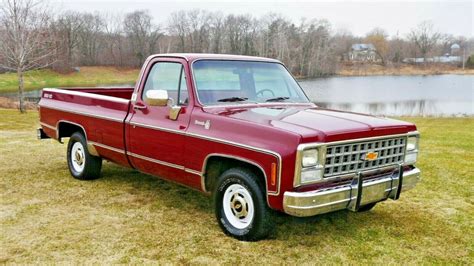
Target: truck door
[(155, 141)]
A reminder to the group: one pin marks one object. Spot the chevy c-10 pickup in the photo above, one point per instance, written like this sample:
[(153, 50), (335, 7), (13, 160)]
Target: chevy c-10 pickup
[(238, 128)]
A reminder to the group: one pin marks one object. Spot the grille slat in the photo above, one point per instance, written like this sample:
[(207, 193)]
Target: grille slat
[(348, 157)]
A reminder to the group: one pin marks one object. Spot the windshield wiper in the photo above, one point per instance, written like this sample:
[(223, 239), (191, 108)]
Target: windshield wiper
[(277, 99), (233, 99)]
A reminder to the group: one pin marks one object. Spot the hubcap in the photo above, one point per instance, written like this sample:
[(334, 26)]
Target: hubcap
[(238, 206), (78, 157)]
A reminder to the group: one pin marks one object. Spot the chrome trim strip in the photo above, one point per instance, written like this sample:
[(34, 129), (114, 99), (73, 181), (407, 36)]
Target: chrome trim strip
[(86, 94), (278, 156), (204, 168), (248, 147), (85, 114), (138, 156), (157, 128), (194, 172), (106, 147), (263, 60), (72, 123), (257, 104), (47, 126), (316, 144)]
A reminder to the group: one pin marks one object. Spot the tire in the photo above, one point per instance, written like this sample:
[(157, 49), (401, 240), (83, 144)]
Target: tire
[(367, 207), (240, 205), (82, 165)]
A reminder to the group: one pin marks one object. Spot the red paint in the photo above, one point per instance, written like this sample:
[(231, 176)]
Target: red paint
[(257, 133)]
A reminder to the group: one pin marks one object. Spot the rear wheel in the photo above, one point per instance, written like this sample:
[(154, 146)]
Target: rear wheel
[(241, 207), (82, 165)]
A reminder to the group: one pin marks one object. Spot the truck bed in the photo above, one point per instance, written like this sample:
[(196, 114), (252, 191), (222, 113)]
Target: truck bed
[(100, 112)]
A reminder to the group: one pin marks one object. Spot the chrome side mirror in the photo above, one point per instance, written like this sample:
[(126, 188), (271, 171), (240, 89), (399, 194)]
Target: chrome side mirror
[(156, 97)]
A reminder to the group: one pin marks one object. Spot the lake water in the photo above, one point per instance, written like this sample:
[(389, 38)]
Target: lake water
[(437, 95)]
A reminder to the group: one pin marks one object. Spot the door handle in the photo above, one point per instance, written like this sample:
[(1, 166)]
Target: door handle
[(139, 107)]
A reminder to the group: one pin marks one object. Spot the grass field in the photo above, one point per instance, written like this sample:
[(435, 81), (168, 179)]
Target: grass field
[(87, 76), (126, 217)]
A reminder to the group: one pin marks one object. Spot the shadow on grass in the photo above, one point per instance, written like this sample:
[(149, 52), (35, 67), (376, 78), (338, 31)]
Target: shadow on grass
[(158, 193)]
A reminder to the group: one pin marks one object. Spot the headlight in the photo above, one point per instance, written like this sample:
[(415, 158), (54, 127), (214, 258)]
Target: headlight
[(311, 175), (310, 158), (412, 143), (412, 150), (310, 166)]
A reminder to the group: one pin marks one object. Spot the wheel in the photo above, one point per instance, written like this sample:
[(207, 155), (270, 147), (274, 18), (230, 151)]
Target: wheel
[(82, 165), (240, 205), (367, 207)]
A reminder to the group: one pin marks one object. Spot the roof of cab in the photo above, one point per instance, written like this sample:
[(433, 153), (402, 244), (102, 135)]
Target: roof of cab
[(197, 56)]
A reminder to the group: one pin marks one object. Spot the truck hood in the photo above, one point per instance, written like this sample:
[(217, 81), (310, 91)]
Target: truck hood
[(315, 123)]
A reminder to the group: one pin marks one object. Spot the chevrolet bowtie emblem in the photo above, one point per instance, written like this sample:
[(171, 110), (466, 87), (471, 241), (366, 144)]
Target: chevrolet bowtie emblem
[(370, 156)]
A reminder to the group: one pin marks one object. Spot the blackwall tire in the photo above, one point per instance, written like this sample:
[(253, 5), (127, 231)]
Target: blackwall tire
[(82, 165), (240, 205)]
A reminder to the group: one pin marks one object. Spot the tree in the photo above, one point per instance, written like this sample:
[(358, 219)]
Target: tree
[(142, 34), (68, 27), (425, 37), (28, 40), (378, 37)]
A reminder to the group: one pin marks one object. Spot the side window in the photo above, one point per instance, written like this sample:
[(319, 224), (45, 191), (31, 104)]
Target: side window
[(168, 76)]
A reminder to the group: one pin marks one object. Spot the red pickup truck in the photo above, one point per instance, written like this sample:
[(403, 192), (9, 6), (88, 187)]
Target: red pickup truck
[(240, 129)]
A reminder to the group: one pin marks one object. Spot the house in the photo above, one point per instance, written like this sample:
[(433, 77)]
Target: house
[(362, 52)]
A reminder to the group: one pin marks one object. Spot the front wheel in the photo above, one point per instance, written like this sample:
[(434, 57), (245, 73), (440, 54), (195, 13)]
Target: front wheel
[(241, 207), (82, 165)]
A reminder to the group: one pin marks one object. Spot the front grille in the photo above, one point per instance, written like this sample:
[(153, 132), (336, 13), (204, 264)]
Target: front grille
[(349, 157)]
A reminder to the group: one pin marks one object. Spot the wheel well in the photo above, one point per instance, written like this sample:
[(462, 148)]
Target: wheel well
[(66, 129), (218, 164)]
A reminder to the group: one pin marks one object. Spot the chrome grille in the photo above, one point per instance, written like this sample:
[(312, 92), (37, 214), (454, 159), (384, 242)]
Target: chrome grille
[(349, 157)]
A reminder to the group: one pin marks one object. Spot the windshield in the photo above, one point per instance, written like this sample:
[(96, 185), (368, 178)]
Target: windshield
[(221, 82)]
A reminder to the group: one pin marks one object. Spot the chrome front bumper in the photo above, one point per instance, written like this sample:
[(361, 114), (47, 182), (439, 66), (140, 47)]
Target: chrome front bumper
[(351, 196)]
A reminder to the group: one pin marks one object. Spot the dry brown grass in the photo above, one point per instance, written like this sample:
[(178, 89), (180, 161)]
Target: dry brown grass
[(126, 217)]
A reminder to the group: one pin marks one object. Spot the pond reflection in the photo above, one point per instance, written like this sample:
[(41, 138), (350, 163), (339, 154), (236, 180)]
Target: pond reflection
[(441, 95)]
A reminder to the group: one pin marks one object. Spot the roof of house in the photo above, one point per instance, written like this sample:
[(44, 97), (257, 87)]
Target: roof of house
[(362, 46)]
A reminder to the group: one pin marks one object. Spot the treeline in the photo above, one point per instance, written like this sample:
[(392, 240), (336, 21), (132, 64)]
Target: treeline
[(125, 41), (309, 47)]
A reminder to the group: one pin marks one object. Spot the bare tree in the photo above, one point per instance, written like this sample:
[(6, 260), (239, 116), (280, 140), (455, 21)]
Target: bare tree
[(378, 37), (68, 27), (91, 38), (142, 33), (27, 43), (425, 37)]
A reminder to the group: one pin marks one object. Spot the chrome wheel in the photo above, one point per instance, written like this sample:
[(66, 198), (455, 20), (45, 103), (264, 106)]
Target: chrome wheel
[(238, 206), (78, 157)]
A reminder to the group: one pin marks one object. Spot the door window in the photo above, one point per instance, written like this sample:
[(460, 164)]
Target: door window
[(168, 76)]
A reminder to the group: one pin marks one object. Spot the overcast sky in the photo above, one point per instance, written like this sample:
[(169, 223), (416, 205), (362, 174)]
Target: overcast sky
[(359, 17)]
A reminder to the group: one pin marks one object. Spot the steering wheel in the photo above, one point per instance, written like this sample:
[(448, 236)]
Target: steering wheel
[(260, 92)]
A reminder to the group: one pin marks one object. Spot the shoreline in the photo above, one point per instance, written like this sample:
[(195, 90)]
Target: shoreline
[(403, 70), (93, 76)]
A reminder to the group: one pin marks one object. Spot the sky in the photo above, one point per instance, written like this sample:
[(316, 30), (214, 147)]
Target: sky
[(359, 17)]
